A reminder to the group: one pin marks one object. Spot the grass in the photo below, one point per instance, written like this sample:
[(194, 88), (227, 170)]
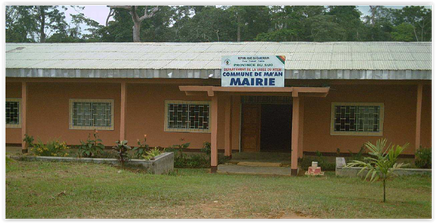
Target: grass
[(73, 190)]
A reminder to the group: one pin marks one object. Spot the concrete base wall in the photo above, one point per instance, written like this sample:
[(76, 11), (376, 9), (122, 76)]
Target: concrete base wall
[(162, 164), (353, 172)]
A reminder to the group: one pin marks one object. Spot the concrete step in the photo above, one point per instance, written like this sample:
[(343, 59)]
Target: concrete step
[(254, 170), (260, 164)]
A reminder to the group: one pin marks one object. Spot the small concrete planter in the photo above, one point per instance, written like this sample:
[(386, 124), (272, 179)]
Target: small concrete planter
[(342, 170), (353, 171), (162, 164)]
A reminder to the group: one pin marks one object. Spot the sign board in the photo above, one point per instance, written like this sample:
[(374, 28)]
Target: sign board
[(253, 71)]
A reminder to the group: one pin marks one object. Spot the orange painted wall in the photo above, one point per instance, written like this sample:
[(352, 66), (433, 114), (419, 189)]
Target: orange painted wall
[(399, 117), (13, 135), (145, 115), (426, 117), (48, 114), (48, 110)]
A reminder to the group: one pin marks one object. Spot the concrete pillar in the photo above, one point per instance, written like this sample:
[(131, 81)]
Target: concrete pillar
[(228, 127), (23, 116), (214, 135), (301, 125), (295, 134), (418, 117), (123, 111), (236, 121)]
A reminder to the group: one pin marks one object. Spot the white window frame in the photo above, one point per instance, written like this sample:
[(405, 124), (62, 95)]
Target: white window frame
[(351, 133), (19, 113), (166, 129), (111, 127)]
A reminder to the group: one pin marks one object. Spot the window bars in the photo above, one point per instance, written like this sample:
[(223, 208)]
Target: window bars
[(13, 113), (365, 118), (92, 114), (187, 116)]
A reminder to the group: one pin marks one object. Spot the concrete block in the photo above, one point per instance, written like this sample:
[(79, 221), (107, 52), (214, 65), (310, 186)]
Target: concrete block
[(162, 164)]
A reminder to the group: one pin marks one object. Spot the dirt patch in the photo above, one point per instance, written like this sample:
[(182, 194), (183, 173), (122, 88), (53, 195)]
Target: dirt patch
[(223, 208)]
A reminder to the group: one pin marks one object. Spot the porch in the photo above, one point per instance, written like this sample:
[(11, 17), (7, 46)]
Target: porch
[(250, 140)]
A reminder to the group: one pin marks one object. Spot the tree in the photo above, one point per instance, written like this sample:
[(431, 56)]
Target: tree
[(403, 32), (118, 30), (46, 24), (379, 23), (348, 18), (323, 28), (20, 24), (419, 18), (208, 24), (49, 18), (137, 20), (382, 163)]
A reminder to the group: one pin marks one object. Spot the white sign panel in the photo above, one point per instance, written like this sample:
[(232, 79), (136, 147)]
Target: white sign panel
[(253, 71)]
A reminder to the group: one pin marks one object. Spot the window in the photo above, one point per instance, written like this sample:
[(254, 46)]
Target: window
[(92, 114), (187, 116), (13, 112), (364, 119)]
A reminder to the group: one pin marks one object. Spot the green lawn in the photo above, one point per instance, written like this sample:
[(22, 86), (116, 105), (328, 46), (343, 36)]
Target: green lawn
[(73, 190)]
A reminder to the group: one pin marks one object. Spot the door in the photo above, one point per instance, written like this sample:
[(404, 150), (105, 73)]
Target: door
[(251, 127), (276, 128)]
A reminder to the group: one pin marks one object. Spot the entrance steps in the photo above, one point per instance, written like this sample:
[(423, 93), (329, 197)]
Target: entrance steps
[(260, 164), (254, 170)]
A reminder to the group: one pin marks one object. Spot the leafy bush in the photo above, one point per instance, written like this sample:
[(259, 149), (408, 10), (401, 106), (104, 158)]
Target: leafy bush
[(191, 161), (92, 147), (358, 155), (206, 148), (423, 158), (28, 140), (107, 154), (306, 161), (141, 149), (152, 153), (197, 161), (121, 148), (52, 148)]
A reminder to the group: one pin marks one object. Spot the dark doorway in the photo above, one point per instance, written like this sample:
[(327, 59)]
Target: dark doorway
[(276, 126)]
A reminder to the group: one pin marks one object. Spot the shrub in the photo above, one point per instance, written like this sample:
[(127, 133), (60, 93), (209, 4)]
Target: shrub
[(92, 147), (306, 161), (152, 153), (141, 149), (206, 148), (358, 155), (197, 161), (28, 140), (423, 158), (121, 148), (52, 148)]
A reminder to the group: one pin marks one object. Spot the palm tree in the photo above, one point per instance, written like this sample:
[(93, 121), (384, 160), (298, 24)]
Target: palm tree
[(382, 163)]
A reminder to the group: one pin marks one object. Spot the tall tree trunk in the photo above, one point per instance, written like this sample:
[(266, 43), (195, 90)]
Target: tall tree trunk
[(416, 36), (136, 19), (238, 34), (42, 28), (136, 31)]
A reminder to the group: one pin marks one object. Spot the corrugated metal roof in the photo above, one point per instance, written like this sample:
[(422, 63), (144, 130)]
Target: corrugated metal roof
[(182, 56)]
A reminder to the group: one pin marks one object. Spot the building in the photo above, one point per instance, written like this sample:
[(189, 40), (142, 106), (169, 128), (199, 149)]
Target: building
[(336, 95)]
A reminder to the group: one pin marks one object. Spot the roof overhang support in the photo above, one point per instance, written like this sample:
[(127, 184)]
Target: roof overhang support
[(294, 91)]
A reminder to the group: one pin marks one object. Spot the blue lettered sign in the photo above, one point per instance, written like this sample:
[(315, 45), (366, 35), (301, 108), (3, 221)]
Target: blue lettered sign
[(253, 71)]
